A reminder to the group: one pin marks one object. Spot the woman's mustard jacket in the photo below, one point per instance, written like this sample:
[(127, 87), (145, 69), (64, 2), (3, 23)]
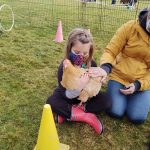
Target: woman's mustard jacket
[(129, 53)]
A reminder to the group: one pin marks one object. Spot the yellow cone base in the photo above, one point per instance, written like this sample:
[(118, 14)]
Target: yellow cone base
[(47, 137), (62, 147)]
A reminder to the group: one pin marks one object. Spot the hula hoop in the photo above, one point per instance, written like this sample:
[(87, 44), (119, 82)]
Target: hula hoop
[(12, 14)]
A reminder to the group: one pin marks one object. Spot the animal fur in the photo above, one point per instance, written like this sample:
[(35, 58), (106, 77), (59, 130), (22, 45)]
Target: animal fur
[(71, 78)]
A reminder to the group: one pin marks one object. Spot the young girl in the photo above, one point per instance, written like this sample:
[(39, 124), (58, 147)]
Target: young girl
[(79, 50)]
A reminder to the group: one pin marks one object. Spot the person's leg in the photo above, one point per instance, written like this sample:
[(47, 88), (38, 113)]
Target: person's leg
[(113, 2), (138, 106), (68, 108), (119, 100), (135, 4), (131, 2), (79, 115), (59, 105), (98, 103)]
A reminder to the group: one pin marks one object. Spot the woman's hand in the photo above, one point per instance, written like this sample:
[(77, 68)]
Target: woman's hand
[(83, 81), (130, 89), (98, 72)]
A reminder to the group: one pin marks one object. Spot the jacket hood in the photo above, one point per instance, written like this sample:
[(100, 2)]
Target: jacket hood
[(143, 18)]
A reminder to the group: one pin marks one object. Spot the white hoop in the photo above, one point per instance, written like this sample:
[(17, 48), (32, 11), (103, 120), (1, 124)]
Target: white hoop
[(12, 14)]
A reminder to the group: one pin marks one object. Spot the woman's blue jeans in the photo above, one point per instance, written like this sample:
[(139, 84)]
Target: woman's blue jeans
[(135, 105)]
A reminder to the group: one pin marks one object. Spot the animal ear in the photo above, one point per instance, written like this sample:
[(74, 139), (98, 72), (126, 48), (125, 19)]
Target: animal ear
[(66, 63)]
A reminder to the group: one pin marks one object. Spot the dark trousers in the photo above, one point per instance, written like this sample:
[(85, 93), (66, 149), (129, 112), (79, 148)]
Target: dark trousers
[(62, 106), (113, 2), (132, 2)]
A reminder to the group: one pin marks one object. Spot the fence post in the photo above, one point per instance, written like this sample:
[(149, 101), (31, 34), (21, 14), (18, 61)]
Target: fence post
[(53, 12), (83, 14)]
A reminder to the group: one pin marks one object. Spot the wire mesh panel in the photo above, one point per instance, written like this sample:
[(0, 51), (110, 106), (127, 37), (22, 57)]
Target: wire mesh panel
[(101, 16)]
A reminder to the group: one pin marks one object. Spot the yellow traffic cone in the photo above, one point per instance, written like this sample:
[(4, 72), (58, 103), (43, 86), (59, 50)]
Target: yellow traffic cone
[(48, 138)]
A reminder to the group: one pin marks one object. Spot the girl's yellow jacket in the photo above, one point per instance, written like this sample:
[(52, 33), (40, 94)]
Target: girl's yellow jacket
[(129, 53)]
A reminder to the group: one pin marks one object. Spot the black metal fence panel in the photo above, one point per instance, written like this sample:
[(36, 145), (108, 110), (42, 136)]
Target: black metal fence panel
[(102, 17)]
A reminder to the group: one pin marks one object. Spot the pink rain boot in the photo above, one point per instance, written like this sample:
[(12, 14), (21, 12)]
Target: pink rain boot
[(78, 114)]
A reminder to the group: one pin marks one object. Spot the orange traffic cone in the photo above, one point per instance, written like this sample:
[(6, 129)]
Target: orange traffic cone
[(59, 33)]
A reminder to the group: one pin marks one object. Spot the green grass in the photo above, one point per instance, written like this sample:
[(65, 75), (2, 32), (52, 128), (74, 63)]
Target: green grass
[(28, 68)]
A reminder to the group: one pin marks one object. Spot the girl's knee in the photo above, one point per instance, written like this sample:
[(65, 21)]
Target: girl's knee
[(51, 101)]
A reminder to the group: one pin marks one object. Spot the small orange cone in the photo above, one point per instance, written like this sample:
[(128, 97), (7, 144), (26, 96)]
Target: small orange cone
[(59, 33)]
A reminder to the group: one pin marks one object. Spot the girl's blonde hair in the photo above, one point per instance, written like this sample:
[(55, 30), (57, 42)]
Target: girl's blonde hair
[(79, 35)]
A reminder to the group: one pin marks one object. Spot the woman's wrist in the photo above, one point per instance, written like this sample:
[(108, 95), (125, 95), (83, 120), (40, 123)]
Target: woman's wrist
[(137, 85), (107, 67)]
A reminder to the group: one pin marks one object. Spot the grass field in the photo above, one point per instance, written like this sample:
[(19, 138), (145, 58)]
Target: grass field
[(28, 68)]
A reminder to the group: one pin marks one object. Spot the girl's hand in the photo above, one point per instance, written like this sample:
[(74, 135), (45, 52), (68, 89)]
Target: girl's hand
[(129, 89), (98, 72), (83, 81)]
